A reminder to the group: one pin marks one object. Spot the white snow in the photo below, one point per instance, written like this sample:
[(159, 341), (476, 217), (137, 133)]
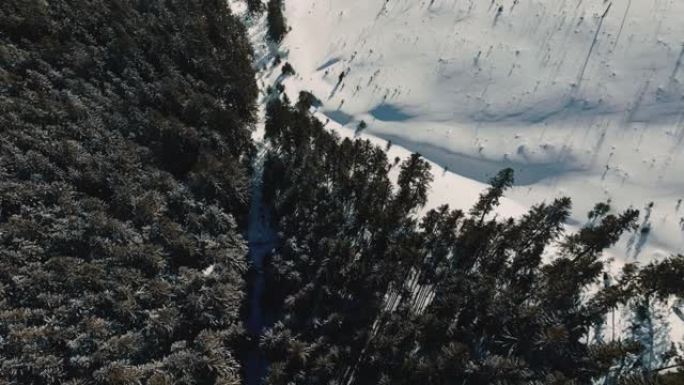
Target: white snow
[(209, 270), (578, 103), (476, 86)]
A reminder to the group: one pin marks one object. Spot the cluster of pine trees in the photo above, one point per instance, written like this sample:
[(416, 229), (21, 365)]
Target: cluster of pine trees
[(125, 152), (370, 292), (123, 184)]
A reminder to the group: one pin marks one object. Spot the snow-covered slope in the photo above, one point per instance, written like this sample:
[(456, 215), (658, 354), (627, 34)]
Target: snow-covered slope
[(577, 105), (581, 97)]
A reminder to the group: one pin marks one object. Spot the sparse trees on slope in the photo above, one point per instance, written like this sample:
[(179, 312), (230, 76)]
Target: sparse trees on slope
[(371, 294)]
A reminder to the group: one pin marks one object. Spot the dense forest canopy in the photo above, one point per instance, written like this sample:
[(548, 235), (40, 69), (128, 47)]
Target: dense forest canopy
[(370, 292), (123, 179), (125, 166)]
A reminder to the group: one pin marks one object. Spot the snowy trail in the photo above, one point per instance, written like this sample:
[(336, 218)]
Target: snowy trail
[(262, 239), (262, 236)]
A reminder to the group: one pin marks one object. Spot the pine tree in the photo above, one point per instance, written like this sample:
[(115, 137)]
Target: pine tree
[(277, 27), (502, 181), (649, 327), (255, 6), (371, 292), (122, 191)]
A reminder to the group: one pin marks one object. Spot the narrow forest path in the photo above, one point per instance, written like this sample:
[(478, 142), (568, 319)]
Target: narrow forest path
[(262, 239), (262, 236)]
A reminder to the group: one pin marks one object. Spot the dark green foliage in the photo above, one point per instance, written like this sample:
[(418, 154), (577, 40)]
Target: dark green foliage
[(277, 60), (672, 378), (124, 138), (361, 126), (124, 187), (664, 279), (277, 27), (350, 225), (490, 199), (255, 6), (368, 293), (288, 70), (307, 100)]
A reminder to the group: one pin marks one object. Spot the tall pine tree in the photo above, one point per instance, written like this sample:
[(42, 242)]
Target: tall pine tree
[(277, 27)]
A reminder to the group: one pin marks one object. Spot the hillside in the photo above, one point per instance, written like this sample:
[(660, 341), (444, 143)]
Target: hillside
[(202, 192), (578, 103)]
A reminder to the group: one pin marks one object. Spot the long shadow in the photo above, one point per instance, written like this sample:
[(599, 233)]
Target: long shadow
[(580, 77), (483, 169)]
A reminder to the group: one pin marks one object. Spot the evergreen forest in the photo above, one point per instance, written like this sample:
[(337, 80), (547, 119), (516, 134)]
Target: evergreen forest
[(127, 171)]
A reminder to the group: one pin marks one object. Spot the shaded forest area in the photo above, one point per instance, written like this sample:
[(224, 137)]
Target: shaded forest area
[(369, 291), (123, 190), (125, 154)]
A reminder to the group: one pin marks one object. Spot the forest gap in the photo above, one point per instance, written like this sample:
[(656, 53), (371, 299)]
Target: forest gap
[(262, 239)]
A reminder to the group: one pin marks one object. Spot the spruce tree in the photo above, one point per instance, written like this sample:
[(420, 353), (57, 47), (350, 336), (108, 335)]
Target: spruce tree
[(372, 292), (255, 6), (123, 188), (277, 27)]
